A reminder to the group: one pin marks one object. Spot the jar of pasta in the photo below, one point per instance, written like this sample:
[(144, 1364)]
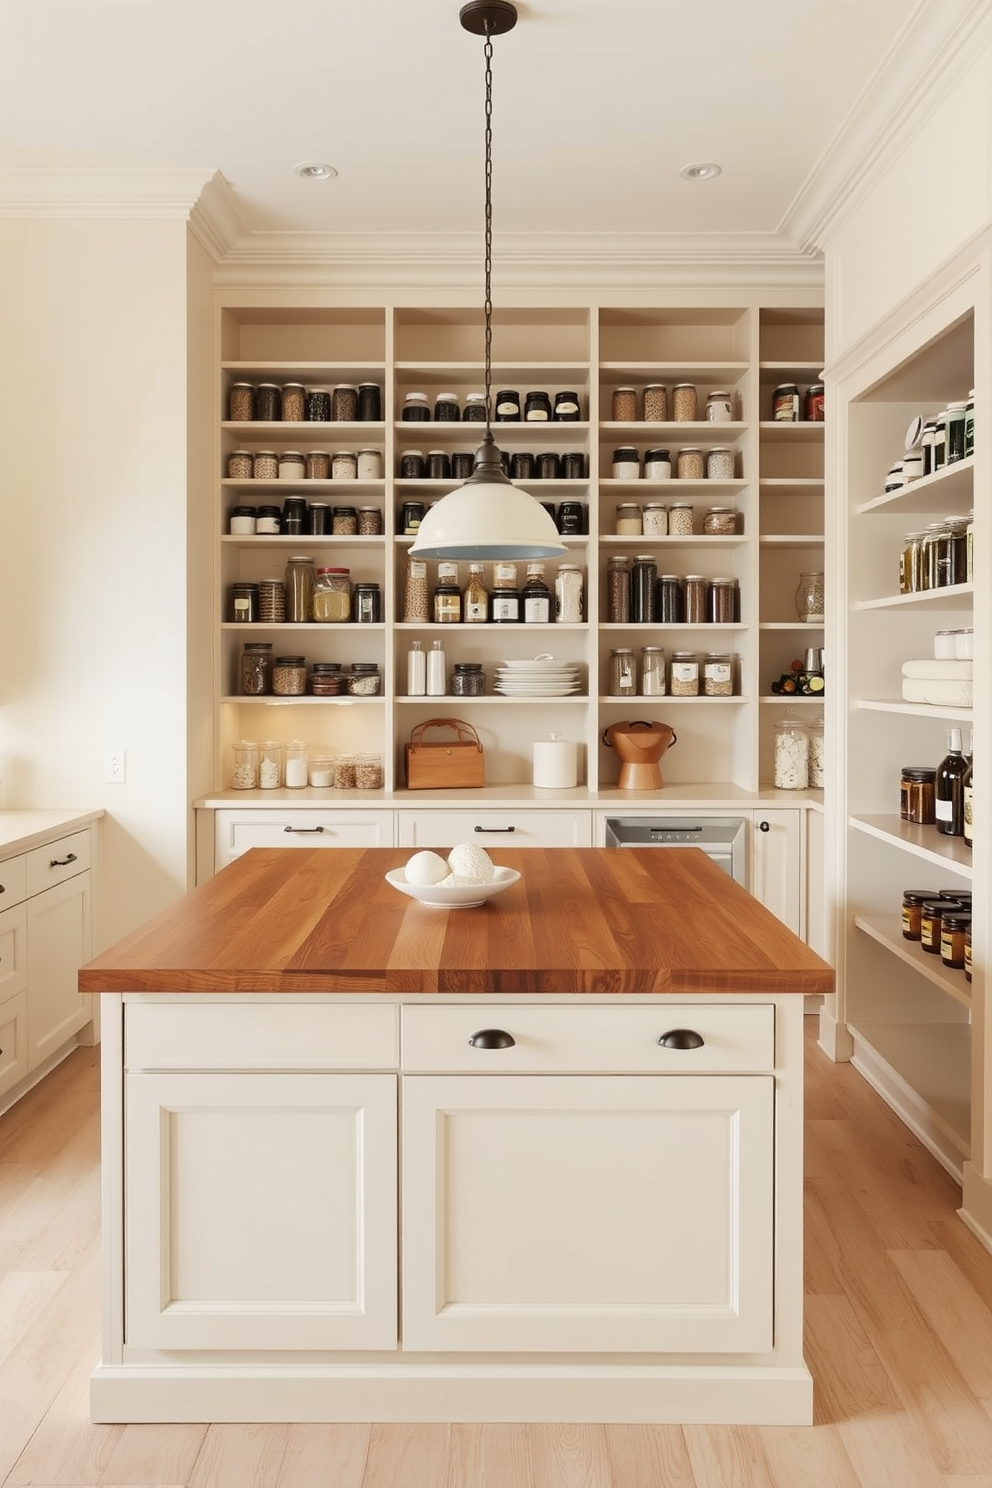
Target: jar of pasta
[(332, 595)]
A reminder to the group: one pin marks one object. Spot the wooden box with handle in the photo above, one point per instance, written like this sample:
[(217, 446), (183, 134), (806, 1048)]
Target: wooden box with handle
[(441, 764)]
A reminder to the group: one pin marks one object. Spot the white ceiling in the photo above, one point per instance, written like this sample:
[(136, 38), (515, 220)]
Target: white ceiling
[(597, 103)]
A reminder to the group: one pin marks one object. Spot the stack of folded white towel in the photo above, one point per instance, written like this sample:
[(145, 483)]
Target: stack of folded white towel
[(933, 681)]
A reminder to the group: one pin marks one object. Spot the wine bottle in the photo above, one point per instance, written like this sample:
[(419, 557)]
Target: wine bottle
[(966, 792), (949, 802)]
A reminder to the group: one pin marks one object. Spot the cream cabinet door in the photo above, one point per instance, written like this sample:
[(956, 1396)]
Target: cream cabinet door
[(777, 867), (600, 1213), (59, 938), (261, 1211)]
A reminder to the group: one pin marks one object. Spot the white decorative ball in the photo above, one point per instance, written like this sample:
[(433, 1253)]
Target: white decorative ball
[(426, 868), (471, 864)]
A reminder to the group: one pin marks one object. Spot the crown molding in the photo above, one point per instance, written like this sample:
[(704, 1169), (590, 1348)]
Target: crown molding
[(215, 219), (154, 194), (922, 65)]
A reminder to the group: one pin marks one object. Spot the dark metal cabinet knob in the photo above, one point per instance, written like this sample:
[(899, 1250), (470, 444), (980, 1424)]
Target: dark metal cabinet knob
[(492, 1038), (764, 826), (681, 1038)]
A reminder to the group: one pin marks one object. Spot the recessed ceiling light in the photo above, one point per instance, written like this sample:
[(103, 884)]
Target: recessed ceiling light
[(701, 170), (315, 170)]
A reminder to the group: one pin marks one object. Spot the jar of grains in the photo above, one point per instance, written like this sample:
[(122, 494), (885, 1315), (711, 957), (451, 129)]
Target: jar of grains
[(618, 590), (299, 589), (364, 679), (684, 674), (622, 675), (344, 521), (690, 464), (681, 516), (245, 775), (628, 522), (270, 764), (654, 520), (694, 607), (317, 465), (658, 464), (626, 464), (685, 403), (326, 680), (344, 465), (289, 676), (368, 772), (791, 754), (656, 403), (294, 403), (416, 592), (345, 772), (569, 594), (256, 669), (332, 595), (318, 405), (240, 465), (720, 606), (653, 680), (344, 403), (624, 405), (720, 464), (369, 521), (268, 403), (292, 466), (241, 403), (718, 675), (272, 601), (720, 521)]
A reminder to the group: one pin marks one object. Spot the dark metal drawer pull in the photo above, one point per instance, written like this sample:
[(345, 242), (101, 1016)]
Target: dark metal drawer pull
[(302, 831), (62, 862), (494, 829), (492, 1038), (681, 1038)]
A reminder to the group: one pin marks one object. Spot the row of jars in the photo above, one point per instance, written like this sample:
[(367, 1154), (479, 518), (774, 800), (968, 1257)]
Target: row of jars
[(940, 555), (296, 764), (324, 595), (653, 405), (933, 443), (536, 407), (691, 463), (569, 517), (637, 594), (298, 517), (265, 675), (940, 919), (790, 406), (293, 403), (681, 675), (520, 465), (677, 519), (798, 753), (297, 465), (504, 598)]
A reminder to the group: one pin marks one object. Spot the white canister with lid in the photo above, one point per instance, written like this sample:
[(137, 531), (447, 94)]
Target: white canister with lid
[(556, 763)]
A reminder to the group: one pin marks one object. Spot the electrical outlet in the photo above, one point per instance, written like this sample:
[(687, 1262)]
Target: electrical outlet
[(114, 767)]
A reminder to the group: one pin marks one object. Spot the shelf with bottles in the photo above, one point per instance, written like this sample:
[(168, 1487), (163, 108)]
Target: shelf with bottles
[(282, 542), (944, 493)]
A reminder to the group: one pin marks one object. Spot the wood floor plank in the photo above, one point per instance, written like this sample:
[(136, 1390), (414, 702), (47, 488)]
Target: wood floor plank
[(967, 1252), (570, 1456), (649, 1457), (24, 1296), (728, 1457), (871, 1280), (240, 1456), (57, 1215), (66, 1448), (414, 1455), (958, 1314), (957, 1431), (898, 1186), (490, 1455), (324, 1456), (884, 1454), (154, 1456), (810, 1456)]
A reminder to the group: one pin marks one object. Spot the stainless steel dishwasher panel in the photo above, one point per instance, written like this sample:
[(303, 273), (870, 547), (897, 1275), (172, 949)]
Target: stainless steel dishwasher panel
[(723, 838)]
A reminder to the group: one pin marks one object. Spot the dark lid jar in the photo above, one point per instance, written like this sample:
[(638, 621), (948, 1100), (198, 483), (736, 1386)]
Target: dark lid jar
[(364, 679), (567, 409), (931, 915), (537, 408), (507, 406), (913, 901), (952, 938), (917, 792)]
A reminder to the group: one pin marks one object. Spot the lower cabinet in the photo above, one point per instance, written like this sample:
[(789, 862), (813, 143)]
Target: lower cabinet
[(236, 830), (493, 829), (777, 863)]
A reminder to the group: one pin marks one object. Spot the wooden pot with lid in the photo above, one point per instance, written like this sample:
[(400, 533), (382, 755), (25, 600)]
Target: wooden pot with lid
[(640, 745)]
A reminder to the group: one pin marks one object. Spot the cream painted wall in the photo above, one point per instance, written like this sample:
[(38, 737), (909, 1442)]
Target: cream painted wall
[(93, 580), (918, 212)]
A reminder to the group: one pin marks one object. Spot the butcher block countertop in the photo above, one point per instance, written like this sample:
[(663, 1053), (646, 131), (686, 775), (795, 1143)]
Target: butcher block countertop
[(579, 920)]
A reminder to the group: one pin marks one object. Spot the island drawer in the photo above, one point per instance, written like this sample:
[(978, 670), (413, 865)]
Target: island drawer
[(243, 1035), (13, 882), (57, 861), (738, 1038), (494, 829)]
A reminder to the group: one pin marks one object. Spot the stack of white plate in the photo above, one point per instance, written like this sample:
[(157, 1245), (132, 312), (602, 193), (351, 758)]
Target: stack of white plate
[(543, 677)]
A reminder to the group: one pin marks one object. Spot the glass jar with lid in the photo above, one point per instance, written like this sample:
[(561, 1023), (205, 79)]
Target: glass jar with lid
[(618, 589), (624, 405), (467, 679), (293, 401), (416, 592), (628, 520), (364, 679), (791, 754), (300, 580), (265, 465), (569, 593), (245, 774), (416, 409), (241, 402), (535, 597), (289, 676), (817, 766), (447, 409), (720, 464), (367, 602), (344, 465), (684, 674), (718, 674), (626, 463), (268, 403), (270, 764), (658, 464), (243, 602), (256, 669), (681, 519), (332, 595), (368, 771), (295, 764), (654, 519), (241, 465), (292, 465), (344, 403), (653, 678), (810, 598), (690, 464), (719, 407), (720, 521), (621, 678), (475, 596), (721, 595), (685, 403)]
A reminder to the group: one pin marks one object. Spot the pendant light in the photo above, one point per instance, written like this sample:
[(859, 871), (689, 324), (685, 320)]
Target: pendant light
[(488, 517)]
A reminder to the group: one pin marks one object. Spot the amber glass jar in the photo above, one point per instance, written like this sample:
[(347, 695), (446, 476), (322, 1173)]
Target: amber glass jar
[(913, 901)]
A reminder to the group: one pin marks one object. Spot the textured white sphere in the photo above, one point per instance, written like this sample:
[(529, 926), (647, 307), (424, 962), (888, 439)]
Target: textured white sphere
[(426, 868), (471, 864)]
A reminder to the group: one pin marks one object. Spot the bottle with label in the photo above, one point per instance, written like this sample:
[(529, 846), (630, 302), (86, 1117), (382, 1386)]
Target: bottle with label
[(966, 823), (416, 671), (536, 596), (475, 599), (949, 793), (437, 670)]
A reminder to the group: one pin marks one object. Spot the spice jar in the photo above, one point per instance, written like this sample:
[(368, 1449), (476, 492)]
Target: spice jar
[(318, 406), (344, 465), (294, 402), (719, 408), (718, 675), (295, 771), (618, 590), (344, 403), (653, 680), (270, 764), (299, 589), (681, 516), (917, 787), (626, 463), (654, 519), (791, 754), (622, 675), (241, 402), (628, 520), (685, 403), (289, 676), (467, 679), (684, 674), (810, 598), (256, 668), (913, 901), (245, 774), (720, 464), (952, 931), (535, 597), (624, 405), (656, 403), (690, 464), (364, 680), (813, 403), (268, 403), (317, 465), (240, 465), (292, 466), (720, 521), (658, 465), (326, 680), (507, 406), (569, 594), (265, 465), (931, 915), (332, 595)]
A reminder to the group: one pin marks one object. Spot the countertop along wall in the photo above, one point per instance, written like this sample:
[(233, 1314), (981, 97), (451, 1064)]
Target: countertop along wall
[(93, 561)]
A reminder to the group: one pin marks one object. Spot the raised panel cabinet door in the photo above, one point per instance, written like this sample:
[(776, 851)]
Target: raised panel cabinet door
[(777, 868), (59, 940), (13, 951), (261, 1211), (600, 1213), (13, 1041)]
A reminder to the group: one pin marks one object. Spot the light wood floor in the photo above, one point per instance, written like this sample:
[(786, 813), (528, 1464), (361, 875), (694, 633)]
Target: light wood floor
[(898, 1329)]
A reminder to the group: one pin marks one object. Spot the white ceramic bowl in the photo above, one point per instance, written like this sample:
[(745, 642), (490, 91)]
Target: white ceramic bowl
[(453, 896)]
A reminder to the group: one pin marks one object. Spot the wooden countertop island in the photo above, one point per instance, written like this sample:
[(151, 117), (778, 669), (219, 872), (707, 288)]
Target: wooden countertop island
[(535, 1160)]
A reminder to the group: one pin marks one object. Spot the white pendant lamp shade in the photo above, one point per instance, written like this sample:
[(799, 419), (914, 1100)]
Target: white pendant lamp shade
[(487, 518)]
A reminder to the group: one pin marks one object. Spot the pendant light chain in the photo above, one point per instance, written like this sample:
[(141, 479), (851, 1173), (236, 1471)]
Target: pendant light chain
[(489, 225)]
